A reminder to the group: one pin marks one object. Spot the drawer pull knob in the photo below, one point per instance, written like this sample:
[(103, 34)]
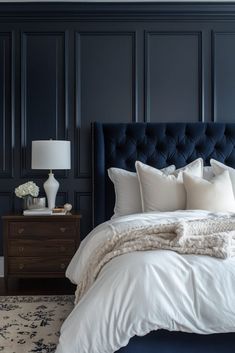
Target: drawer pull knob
[(21, 266), (62, 248), (21, 249), (21, 230), (62, 266), (62, 229)]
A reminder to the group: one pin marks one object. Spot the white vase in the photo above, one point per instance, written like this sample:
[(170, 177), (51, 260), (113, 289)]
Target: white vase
[(51, 187)]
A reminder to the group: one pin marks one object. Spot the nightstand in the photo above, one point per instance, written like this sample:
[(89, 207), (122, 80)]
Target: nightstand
[(39, 246)]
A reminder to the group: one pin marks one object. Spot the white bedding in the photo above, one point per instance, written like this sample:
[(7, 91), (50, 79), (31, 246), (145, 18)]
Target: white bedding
[(143, 291)]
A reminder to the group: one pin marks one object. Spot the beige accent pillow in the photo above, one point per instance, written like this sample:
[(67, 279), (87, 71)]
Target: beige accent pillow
[(214, 195), (160, 192)]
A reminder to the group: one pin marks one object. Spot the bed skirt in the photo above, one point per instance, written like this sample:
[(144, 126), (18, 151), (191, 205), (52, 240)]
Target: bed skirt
[(162, 341)]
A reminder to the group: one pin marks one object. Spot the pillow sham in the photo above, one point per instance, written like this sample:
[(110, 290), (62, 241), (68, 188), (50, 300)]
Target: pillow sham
[(127, 191), (219, 168), (215, 195), (161, 192)]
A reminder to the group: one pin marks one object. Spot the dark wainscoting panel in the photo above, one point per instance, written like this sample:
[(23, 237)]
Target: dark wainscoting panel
[(224, 76), (105, 82), (63, 66), (43, 91), (173, 76), (6, 107)]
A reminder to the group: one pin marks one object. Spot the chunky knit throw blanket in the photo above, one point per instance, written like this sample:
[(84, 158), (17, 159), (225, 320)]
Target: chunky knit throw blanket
[(213, 237)]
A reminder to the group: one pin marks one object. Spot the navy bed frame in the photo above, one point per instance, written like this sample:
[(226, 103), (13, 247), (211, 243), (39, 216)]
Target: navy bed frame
[(159, 144)]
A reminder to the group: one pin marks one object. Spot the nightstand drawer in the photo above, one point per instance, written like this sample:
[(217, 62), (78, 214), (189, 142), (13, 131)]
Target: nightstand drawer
[(41, 247), (21, 229), (28, 265)]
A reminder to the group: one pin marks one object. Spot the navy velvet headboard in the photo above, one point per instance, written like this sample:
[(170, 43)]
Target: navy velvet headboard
[(157, 144)]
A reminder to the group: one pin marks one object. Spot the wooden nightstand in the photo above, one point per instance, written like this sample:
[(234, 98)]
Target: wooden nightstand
[(39, 246)]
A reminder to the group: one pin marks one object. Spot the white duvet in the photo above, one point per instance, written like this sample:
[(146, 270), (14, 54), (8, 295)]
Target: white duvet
[(142, 291)]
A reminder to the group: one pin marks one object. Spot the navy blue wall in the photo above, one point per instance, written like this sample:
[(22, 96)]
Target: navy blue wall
[(63, 66)]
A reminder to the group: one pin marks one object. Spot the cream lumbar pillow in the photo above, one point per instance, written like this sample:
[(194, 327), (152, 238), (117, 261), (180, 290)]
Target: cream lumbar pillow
[(160, 192), (219, 168), (214, 195), (127, 191)]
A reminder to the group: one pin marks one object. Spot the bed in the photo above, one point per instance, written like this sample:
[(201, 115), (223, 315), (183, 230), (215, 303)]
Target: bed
[(159, 145)]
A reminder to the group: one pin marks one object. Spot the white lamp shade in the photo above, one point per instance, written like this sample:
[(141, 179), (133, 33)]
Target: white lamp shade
[(51, 154)]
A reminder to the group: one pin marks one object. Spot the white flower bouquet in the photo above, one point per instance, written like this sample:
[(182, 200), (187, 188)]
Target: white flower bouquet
[(26, 189)]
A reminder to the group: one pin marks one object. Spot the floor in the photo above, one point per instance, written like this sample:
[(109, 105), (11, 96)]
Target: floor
[(45, 286)]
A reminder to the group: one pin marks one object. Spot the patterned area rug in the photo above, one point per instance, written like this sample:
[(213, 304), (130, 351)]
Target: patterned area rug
[(32, 323)]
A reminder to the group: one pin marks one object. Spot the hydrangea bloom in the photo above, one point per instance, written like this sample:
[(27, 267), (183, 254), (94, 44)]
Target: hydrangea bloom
[(29, 188)]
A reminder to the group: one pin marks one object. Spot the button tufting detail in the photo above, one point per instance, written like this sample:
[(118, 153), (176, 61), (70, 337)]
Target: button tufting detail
[(161, 144)]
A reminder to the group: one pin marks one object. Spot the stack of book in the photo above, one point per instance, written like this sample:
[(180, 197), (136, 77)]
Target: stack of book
[(45, 212)]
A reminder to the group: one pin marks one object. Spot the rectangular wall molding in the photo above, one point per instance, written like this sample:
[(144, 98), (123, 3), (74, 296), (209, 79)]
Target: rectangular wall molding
[(173, 76), (44, 88), (106, 86), (223, 76), (7, 69)]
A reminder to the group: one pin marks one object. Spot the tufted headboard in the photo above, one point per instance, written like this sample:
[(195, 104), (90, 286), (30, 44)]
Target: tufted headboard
[(157, 144)]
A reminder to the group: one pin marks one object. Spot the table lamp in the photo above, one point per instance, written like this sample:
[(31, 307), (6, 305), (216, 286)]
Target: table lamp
[(51, 154)]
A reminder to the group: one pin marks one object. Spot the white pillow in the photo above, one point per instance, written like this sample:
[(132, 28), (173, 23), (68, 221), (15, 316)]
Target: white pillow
[(215, 195), (219, 168), (160, 192), (208, 173), (195, 168), (127, 191)]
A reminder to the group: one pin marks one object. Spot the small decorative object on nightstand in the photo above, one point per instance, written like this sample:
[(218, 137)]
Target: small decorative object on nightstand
[(28, 192), (39, 246), (68, 207)]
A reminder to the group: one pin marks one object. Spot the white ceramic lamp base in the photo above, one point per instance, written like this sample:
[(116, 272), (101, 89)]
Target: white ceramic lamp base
[(51, 187)]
